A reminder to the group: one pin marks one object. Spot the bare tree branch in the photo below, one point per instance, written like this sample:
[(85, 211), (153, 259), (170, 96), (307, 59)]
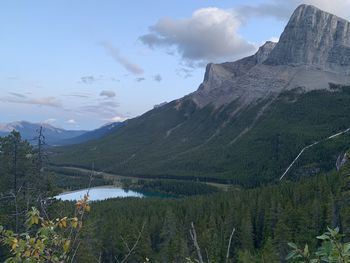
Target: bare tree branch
[(229, 244), (207, 254), (131, 250), (75, 240), (195, 243)]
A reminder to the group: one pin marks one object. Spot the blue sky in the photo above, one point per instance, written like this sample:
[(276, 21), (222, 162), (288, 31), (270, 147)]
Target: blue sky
[(79, 64)]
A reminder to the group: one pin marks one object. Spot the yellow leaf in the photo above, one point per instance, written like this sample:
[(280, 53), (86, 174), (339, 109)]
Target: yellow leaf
[(64, 222), (14, 243), (74, 222), (66, 246)]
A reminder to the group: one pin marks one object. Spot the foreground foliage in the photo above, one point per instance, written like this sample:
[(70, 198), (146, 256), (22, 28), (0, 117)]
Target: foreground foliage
[(332, 250), (46, 240)]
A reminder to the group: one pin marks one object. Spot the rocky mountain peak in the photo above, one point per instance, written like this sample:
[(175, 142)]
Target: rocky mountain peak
[(313, 37), (216, 74), (264, 51), (313, 51)]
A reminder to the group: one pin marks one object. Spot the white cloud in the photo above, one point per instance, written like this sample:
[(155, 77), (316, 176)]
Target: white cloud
[(211, 34), (114, 53), (274, 39), (71, 121), (49, 121), (116, 119)]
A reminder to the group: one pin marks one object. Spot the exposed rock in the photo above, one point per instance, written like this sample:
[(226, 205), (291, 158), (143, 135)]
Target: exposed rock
[(159, 105), (313, 37), (264, 51), (313, 51), (341, 161), (221, 76)]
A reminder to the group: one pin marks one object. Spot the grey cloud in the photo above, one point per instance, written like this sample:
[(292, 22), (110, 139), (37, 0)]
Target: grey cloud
[(44, 101), (114, 53), (88, 79), (102, 109), (140, 79), (283, 9), (107, 93), (19, 95), (211, 34), (114, 79), (78, 95), (157, 78), (185, 72)]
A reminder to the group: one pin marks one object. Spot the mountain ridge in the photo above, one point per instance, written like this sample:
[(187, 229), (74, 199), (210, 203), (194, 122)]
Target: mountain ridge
[(29, 131), (246, 122), (250, 79)]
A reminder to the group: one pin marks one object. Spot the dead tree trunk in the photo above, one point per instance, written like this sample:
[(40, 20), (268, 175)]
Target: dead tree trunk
[(229, 245), (195, 243)]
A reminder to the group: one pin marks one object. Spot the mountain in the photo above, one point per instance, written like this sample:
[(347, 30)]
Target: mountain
[(249, 119), (29, 131), (94, 134)]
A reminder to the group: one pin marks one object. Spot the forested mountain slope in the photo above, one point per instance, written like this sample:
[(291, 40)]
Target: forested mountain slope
[(248, 119), (265, 219)]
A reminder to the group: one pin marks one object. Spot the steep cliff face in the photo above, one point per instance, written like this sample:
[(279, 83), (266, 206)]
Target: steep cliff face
[(315, 38), (313, 51), (220, 78)]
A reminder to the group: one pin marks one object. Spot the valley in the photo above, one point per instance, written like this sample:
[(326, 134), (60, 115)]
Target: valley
[(293, 121), (253, 166)]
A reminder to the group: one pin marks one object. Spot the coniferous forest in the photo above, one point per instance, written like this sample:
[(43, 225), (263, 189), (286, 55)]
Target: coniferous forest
[(264, 219)]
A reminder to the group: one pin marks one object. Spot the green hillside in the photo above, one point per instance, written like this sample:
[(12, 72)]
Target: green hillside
[(210, 144), (265, 219)]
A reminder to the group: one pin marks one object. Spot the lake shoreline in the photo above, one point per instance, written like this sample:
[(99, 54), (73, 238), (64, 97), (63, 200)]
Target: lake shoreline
[(99, 193), (94, 187)]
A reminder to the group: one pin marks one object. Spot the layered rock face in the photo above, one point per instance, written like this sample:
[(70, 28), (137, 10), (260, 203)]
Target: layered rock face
[(313, 37), (313, 51)]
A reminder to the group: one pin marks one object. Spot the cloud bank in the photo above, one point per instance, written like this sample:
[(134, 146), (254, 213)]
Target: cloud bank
[(283, 9), (210, 34), (40, 101)]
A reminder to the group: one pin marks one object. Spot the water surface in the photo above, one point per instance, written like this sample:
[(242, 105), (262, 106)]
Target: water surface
[(99, 193)]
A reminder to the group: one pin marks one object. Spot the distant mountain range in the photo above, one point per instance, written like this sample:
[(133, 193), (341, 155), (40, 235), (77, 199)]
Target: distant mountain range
[(249, 119), (94, 134), (56, 136)]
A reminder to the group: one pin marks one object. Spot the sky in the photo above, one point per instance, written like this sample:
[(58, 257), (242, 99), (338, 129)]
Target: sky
[(80, 64)]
